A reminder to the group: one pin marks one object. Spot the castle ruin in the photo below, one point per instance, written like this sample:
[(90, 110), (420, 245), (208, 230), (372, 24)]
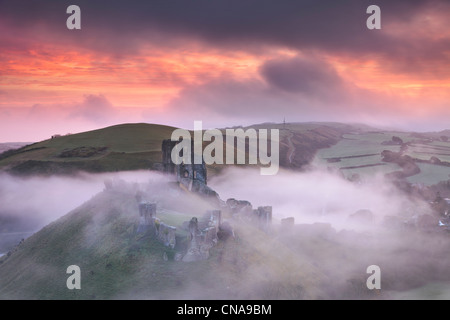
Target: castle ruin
[(148, 221), (146, 212), (202, 233), (263, 217), (191, 176)]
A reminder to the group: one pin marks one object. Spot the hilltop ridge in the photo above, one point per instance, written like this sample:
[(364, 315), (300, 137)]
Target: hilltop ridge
[(137, 146)]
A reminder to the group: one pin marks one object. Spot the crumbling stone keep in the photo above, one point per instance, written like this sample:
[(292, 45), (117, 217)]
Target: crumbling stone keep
[(215, 218), (190, 176), (193, 229), (148, 220), (147, 211), (189, 173), (166, 234), (263, 217), (168, 165), (200, 242)]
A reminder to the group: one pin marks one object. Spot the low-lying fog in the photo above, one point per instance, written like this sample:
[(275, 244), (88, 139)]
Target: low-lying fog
[(316, 196), (412, 260), (29, 203), (409, 259)]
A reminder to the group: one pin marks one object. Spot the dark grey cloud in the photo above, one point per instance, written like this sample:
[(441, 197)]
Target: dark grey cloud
[(123, 25), (307, 76), (291, 88), (298, 88)]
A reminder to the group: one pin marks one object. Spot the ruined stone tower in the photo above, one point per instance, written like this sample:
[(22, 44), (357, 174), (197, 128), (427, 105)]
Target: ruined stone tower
[(147, 211), (166, 148), (192, 176), (264, 217)]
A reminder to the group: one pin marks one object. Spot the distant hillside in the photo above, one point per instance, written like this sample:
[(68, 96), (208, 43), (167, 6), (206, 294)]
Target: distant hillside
[(445, 133), (362, 155), (353, 149), (299, 142), (138, 146), (116, 148), (5, 146)]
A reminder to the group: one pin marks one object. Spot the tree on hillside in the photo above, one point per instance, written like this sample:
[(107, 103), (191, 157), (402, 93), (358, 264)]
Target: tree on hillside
[(397, 140)]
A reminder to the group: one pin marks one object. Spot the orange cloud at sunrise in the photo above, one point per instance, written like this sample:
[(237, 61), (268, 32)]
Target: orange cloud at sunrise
[(184, 62), (149, 79)]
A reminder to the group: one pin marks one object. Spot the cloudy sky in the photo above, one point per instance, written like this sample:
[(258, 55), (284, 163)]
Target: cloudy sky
[(225, 62)]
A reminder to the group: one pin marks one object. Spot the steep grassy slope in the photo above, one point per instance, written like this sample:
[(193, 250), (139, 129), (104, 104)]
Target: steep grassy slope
[(299, 142), (138, 146), (116, 262), (121, 147), (12, 145)]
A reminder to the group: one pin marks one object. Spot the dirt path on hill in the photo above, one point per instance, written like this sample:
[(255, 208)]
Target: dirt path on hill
[(291, 150)]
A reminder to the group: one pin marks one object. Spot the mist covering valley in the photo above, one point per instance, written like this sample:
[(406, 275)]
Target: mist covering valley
[(323, 256), (29, 203)]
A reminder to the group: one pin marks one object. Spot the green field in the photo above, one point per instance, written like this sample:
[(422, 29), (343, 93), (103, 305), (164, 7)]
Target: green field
[(357, 145), (361, 154), (430, 174), (368, 172), (438, 149), (359, 150)]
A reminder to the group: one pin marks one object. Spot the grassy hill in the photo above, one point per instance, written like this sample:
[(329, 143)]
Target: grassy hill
[(353, 149), (116, 148), (5, 146), (138, 146), (299, 142), (117, 263)]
